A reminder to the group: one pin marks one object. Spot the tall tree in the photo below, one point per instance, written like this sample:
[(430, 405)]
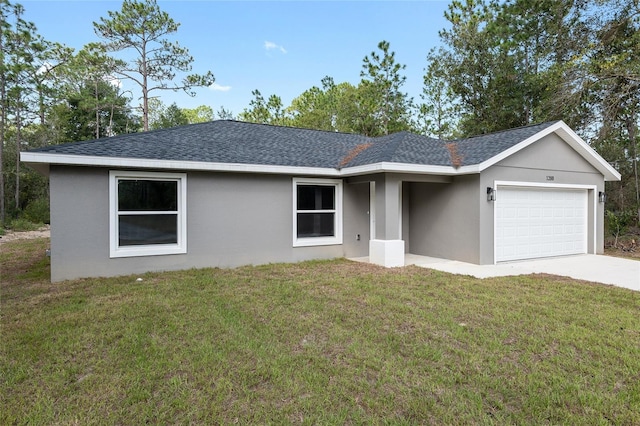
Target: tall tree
[(164, 117), (142, 27), (546, 39), (616, 88), (46, 79), (225, 114), (438, 109), (94, 110), (508, 63), (90, 85), (471, 60), (6, 10), (199, 114), (382, 87), (24, 55), (269, 111), (319, 107), (171, 116)]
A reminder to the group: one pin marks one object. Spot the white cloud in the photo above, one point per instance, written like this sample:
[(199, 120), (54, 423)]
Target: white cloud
[(219, 88), (44, 68), (269, 45), (114, 81)]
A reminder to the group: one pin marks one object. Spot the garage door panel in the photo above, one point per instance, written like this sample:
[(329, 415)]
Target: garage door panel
[(540, 222)]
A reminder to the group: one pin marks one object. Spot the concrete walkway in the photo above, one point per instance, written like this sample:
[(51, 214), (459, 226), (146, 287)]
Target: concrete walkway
[(596, 268)]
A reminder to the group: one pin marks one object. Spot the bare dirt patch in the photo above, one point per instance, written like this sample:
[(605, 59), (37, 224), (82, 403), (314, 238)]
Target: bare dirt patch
[(44, 232), (627, 246)]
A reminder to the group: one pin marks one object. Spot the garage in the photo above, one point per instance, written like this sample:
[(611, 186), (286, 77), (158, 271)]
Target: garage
[(534, 222)]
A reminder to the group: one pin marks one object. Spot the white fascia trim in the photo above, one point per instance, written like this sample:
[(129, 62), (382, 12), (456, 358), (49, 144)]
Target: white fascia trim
[(570, 137), (141, 163)]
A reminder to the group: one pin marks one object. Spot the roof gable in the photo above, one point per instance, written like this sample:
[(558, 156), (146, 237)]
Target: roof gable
[(567, 135)]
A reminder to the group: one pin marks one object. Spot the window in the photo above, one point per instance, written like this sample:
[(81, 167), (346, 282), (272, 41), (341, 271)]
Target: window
[(147, 213), (317, 212)]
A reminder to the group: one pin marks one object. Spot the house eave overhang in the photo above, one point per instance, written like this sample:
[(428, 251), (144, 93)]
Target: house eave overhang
[(389, 167), (37, 159), (572, 139), (42, 160)]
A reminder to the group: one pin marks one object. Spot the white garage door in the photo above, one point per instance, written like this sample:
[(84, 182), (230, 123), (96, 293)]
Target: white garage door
[(540, 222)]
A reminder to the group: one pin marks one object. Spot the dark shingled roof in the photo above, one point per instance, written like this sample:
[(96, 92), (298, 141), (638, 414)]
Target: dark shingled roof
[(478, 149), (227, 141)]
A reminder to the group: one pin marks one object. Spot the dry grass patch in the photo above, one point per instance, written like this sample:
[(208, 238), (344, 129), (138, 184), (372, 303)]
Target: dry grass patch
[(332, 342)]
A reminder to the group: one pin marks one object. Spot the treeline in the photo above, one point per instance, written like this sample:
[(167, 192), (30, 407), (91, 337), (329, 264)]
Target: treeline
[(500, 65), (50, 94)]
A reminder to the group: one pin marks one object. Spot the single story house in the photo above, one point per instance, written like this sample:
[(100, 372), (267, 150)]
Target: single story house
[(228, 193)]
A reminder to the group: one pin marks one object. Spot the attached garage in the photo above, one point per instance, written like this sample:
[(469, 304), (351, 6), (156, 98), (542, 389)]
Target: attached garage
[(537, 221)]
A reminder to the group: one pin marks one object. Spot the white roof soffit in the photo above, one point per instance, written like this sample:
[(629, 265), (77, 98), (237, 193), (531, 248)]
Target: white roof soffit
[(571, 138)]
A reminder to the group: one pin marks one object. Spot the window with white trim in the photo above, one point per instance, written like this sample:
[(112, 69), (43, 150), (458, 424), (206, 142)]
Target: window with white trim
[(317, 212), (147, 213)]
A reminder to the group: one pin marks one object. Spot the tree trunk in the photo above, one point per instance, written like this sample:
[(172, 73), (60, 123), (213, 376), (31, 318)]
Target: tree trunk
[(3, 117), (632, 131), (41, 104), (18, 146), (145, 90), (110, 128), (97, 112), (145, 105)]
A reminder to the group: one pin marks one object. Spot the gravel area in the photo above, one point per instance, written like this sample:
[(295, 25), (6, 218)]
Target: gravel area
[(44, 232)]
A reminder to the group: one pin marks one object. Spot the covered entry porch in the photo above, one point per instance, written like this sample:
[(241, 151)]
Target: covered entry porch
[(429, 215)]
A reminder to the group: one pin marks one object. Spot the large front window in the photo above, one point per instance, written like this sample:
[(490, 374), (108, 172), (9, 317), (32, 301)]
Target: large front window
[(317, 212), (147, 213)]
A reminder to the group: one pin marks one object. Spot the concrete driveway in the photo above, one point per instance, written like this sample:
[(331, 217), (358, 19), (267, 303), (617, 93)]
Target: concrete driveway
[(596, 268)]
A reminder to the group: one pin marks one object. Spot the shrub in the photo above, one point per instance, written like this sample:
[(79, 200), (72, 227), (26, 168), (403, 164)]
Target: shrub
[(617, 223), (37, 211), (22, 224)]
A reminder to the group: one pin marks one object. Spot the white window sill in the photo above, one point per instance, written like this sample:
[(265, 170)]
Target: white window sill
[(317, 241), (150, 250)]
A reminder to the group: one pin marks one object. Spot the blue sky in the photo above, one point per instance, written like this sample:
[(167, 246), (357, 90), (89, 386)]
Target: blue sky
[(281, 48)]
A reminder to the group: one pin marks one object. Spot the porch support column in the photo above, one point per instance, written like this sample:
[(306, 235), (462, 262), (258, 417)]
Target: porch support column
[(387, 249)]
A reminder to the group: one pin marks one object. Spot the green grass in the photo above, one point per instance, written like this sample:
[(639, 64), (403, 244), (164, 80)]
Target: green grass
[(332, 342)]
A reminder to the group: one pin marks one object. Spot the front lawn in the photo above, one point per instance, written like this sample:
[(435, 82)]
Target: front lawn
[(332, 342)]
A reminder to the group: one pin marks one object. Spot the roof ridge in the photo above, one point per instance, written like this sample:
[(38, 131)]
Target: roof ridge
[(282, 126), (393, 144)]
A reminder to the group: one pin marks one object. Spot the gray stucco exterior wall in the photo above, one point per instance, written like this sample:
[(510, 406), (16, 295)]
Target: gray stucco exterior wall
[(406, 210), (443, 219), (388, 205), (356, 219), (232, 220)]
